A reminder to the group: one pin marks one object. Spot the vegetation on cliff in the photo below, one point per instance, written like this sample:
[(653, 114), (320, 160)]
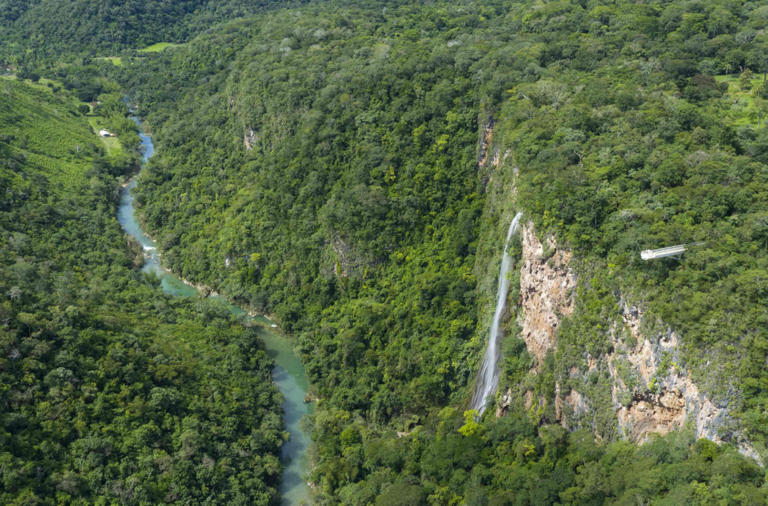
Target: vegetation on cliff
[(322, 163), (331, 155), (631, 138)]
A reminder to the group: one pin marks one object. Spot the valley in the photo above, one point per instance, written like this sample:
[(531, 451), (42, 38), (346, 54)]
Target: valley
[(441, 208)]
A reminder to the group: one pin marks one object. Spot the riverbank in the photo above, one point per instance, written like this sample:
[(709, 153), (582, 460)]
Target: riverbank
[(271, 319), (288, 374)]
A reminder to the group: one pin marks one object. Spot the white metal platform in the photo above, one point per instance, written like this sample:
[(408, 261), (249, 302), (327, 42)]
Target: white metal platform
[(669, 251)]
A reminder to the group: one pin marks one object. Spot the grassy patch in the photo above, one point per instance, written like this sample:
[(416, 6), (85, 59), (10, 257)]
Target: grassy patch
[(43, 84), (116, 60), (743, 105), (156, 48), (111, 144)]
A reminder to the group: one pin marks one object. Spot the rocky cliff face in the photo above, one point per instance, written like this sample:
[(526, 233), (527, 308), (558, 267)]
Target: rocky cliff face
[(655, 393), (489, 155), (546, 292), (651, 391), (546, 295), (340, 259), (485, 146)]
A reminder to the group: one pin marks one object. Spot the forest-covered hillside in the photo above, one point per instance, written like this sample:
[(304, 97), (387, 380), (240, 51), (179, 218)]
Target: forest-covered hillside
[(110, 392), (352, 170), (325, 164), (38, 30)]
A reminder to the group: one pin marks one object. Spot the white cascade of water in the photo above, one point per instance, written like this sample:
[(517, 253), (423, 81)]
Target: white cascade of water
[(488, 377)]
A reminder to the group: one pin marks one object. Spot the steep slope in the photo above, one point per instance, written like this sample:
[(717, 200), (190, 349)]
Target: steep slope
[(50, 28), (109, 391), (357, 195), (323, 164), (616, 157)]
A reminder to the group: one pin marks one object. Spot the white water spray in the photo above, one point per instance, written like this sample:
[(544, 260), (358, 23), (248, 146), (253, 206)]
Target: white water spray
[(488, 377)]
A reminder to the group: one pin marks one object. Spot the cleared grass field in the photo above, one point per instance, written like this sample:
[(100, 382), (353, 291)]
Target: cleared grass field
[(115, 60), (157, 47), (111, 144)]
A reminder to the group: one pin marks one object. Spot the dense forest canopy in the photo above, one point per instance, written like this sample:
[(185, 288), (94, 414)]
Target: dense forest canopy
[(44, 29), (110, 391), (331, 154), (329, 163)]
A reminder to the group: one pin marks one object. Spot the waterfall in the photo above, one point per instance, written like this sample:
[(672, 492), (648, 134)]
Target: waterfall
[(488, 377)]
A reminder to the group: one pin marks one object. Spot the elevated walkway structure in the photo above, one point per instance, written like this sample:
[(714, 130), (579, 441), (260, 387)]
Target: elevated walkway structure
[(669, 251)]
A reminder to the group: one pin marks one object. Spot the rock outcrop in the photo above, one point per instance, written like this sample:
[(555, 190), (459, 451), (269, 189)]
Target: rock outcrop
[(651, 391), (576, 403), (546, 295), (661, 396), (546, 292), (249, 139), (485, 146)]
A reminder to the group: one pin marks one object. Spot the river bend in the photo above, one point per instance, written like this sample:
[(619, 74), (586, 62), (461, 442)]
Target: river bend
[(289, 374)]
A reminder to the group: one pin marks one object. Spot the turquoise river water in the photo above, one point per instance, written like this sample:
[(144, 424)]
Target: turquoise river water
[(288, 374)]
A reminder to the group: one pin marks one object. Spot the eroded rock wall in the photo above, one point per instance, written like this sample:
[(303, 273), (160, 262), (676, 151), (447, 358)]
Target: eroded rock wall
[(546, 292), (249, 139), (546, 295), (651, 391), (661, 396)]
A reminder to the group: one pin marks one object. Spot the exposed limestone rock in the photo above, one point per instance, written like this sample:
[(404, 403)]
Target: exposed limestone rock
[(496, 158), (546, 292), (485, 146), (577, 402), (343, 264), (506, 402), (651, 391), (559, 405), (574, 404), (663, 397), (546, 295), (652, 413), (528, 399), (541, 401), (249, 139), (342, 260)]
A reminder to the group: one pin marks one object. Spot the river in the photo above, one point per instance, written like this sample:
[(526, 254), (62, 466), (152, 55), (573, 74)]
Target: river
[(288, 373)]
